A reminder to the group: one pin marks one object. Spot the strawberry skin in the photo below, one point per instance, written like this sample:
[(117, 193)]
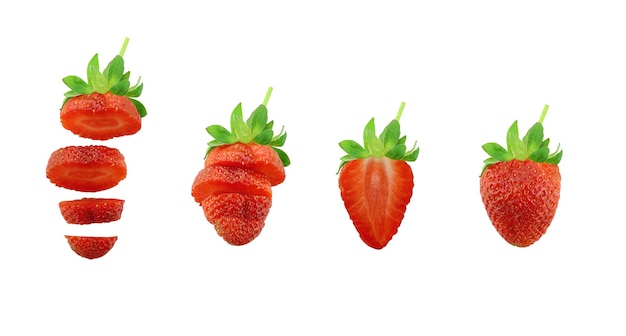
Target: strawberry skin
[(215, 180), (91, 247), (86, 168), (100, 116), (261, 158), (238, 218), (521, 198), (376, 192), (91, 210)]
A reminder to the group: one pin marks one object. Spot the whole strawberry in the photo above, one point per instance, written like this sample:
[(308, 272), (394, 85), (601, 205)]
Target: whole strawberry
[(105, 106), (520, 185), (376, 183)]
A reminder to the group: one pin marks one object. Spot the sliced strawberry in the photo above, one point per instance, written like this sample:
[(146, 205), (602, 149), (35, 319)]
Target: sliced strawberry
[(86, 168), (91, 210), (376, 192), (376, 182), (100, 116), (262, 158), (238, 218), (215, 180), (105, 106), (91, 247)]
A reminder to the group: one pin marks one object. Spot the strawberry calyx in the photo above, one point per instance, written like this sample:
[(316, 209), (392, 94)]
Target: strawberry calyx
[(255, 129), (388, 144), (113, 79), (531, 147)]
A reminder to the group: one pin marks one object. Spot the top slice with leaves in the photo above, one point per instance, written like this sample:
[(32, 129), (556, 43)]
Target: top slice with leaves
[(104, 106), (531, 147), (253, 132)]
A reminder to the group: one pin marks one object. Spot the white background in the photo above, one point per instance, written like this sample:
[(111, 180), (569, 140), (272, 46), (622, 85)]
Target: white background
[(466, 71)]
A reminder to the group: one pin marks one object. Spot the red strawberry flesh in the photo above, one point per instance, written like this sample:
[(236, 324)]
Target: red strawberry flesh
[(215, 180), (91, 247), (261, 158), (376, 192)]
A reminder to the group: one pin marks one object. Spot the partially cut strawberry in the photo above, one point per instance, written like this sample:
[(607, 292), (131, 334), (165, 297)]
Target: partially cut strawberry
[(91, 247), (214, 180), (91, 210), (86, 168), (253, 156), (238, 218), (376, 183), (104, 106)]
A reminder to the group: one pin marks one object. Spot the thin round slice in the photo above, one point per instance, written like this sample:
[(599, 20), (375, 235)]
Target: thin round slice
[(91, 247), (91, 210)]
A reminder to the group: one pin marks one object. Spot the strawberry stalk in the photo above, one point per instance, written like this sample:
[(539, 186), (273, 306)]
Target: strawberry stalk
[(388, 144), (255, 129), (531, 147)]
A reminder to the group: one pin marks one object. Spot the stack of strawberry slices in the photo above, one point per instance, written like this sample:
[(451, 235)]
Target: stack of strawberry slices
[(102, 108), (241, 166)]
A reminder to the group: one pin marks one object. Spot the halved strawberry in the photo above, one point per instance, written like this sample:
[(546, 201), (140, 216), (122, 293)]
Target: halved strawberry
[(104, 107), (214, 180), (91, 210), (91, 247), (86, 168), (376, 183), (238, 218), (253, 156)]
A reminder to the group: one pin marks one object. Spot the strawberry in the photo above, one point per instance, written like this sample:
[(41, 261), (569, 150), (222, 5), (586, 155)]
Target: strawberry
[(104, 107), (214, 180), (238, 218), (91, 247), (520, 185), (86, 168), (240, 167), (376, 182), (91, 210)]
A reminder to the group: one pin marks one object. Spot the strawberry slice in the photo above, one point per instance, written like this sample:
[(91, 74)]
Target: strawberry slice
[(104, 106), (215, 180), (262, 158), (91, 247), (100, 116), (86, 168), (91, 210), (376, 183), (238, 218)]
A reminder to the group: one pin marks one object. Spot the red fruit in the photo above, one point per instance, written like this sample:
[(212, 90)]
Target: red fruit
[(86, 168), (91, 247), (104, 106), (376, 183), (376, 192), (215, 180), (521, 198), (91, 210), (100, 116), (520, 186), (238, 218), (262, 158)]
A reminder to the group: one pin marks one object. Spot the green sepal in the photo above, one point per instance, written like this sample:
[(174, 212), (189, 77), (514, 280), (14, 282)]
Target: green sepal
[(284, 158), (221, 134), (531, 147), (388, 144)]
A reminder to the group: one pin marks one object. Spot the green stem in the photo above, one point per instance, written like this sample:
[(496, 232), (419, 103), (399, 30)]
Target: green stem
[(124, 47), (543, 114), (267, 96), (399, 114)]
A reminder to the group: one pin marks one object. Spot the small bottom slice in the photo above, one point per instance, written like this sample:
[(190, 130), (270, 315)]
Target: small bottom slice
[(91, 247)]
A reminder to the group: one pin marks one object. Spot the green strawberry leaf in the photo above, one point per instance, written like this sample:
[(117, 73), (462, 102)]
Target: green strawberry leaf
[(284, 158), (388, 144), (221, 134), (264, 138), (531, 147), (78, 85)]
